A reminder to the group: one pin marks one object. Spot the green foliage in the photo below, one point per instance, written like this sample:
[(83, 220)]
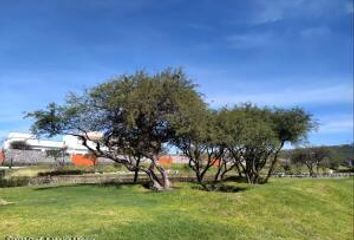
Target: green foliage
[(292, 125), (136, 116), (20, 145), (312, 157), (339, 156), (48, 122), (55, 153), (254, 136), (251, 138), (14, 181), (58, 155), (197, 135), (65, 172)]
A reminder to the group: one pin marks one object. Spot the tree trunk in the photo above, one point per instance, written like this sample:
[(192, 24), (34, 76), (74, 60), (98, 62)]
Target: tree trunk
[(154, 182), (272, 165), (11, 159), (223, 170), (310, 170), (249, 177), (199, 177), (238, 170), (218, 173), (164, 182), (136, 172), (317, 169), (63, 158), (223, 175)]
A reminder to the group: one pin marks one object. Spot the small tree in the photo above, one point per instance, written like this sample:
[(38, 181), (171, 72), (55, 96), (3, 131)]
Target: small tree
[(290, 126), (197, 136), (319, 155), (229, 126), (311, 157), (250, 139), (58, 155), (20, 145)]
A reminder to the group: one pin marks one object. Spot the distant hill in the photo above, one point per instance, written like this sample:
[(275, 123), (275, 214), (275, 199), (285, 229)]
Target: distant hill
[(343, 154)]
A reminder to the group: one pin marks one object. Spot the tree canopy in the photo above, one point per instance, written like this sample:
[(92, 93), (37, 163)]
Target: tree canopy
[(311, 157), (131, 118)]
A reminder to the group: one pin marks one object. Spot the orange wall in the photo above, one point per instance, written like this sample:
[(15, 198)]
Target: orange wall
[(166, 160), (83, 159), (2, 157), (216, 163)]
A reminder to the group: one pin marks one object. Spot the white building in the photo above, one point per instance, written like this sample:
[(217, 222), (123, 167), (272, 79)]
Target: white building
[(72, 144)]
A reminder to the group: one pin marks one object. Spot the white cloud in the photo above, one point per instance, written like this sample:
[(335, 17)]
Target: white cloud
[(315, 31), (286, 97), (339, 124), (251, 40), (349, 7), (277, 10), (273, 11)]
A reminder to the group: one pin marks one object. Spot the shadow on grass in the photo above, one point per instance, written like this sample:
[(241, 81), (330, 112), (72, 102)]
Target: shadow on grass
[(235, 179), (209, 186), (219, 187)]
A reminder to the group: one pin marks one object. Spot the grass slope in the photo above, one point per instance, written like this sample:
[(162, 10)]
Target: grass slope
[(282, 209)]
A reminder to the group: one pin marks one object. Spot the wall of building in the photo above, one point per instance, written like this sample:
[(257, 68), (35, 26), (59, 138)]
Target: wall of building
[(29, 157), (33, 157)]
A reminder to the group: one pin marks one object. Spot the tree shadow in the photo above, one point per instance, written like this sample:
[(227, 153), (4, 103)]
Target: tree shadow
[(219, 187), (209, 186), (237, 179)]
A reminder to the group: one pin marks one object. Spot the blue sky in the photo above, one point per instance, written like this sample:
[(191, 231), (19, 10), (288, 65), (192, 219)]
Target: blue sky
[(270, 52)]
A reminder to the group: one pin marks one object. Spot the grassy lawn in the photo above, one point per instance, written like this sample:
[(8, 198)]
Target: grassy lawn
[(282, 209)]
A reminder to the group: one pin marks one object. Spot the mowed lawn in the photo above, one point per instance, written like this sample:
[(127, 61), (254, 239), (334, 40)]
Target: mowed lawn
[(282, 209)]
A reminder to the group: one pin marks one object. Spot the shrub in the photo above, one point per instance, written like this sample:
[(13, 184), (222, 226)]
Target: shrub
[(14, 182), (65, 172)]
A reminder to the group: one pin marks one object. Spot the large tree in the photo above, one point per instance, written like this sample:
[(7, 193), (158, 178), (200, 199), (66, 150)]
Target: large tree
[(131, 113)]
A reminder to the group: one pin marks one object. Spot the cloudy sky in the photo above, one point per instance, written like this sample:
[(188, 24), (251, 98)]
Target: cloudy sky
[(270, 52)]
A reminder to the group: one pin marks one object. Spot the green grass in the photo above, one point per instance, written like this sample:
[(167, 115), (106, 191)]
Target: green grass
[(32, 171), (28, 171), (282, 209)]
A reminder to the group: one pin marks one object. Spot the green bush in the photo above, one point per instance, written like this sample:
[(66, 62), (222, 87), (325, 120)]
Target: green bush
[(2, 173), (65, 172), (14, 182), (348, 170)]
